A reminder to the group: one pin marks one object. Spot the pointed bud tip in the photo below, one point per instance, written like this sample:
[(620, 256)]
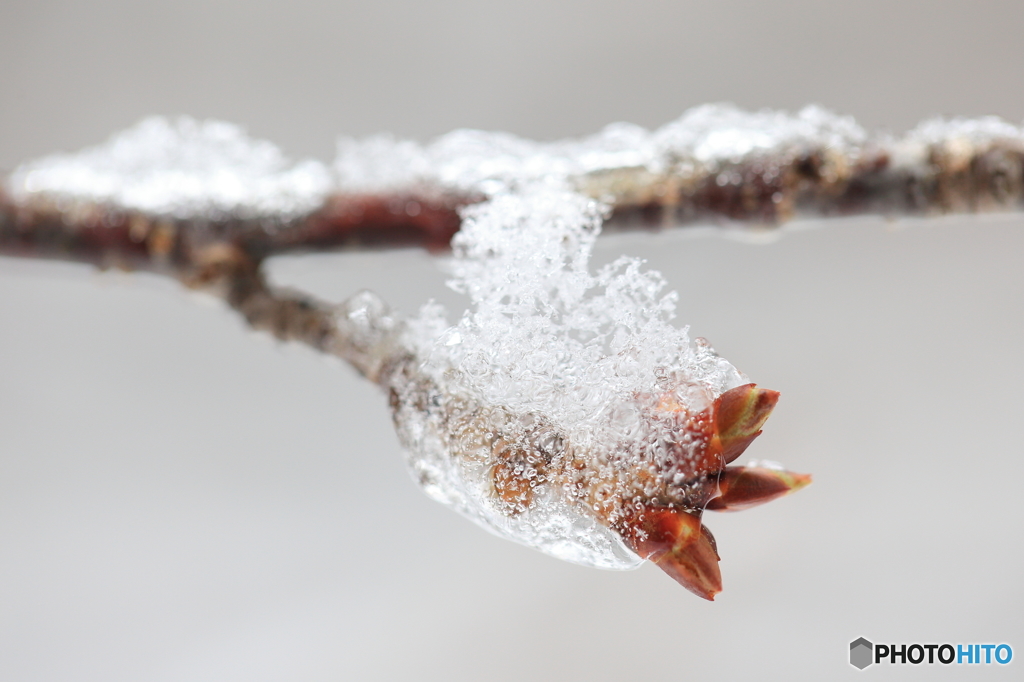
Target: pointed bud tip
[(739, 415), (695, 567), (679, 544), (799, 481), (743, 487)]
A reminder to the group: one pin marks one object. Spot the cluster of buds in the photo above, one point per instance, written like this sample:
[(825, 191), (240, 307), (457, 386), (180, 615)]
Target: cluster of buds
[(649, 490), (667, 528)]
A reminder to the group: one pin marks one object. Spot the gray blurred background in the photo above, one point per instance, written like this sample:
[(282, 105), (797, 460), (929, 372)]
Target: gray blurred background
[(181, 499)]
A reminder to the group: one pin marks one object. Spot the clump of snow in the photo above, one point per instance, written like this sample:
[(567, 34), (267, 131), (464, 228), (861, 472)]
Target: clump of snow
[(572, 341), (553, 361), (181, 168), (715, 133)]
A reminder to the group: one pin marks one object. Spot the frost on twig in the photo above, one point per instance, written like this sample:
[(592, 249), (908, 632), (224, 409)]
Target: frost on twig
[(563, 410)]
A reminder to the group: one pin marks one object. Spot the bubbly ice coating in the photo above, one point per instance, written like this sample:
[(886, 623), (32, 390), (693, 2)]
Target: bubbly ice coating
[(514, 415), (489, 163), (181, 168)]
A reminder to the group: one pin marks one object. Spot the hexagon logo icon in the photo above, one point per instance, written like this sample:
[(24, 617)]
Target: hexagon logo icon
[(861, 651)]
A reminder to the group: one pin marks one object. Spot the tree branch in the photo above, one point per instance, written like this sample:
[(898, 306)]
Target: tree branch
[(613, 498)]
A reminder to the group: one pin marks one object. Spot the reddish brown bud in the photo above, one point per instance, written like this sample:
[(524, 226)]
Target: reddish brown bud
[(745, 487), (680, 545), (739, 415)]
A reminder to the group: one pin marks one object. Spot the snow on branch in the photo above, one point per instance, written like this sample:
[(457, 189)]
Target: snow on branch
[(158, 193), (564, 410)]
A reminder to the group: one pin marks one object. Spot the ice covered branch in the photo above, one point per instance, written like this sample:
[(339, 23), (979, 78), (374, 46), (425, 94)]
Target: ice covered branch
[(563, 410)]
